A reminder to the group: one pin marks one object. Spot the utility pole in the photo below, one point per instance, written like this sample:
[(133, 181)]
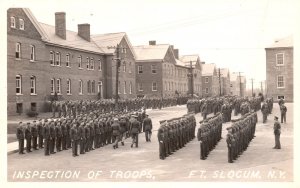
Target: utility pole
[(118, 64), (220, 87), (191, 76), (240, 82), (252, 85), (261, 88)]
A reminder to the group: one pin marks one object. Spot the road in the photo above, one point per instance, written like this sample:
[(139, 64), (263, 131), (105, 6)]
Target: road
[(258, 163)]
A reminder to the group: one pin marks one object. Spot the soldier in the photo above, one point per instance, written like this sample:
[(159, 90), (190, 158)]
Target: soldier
[(46, 134), (283, 111), (87, 137), (74, 138), (92, 135), (53, 107), (123, 129), (28, 137), (230, 144), (52, 137), (40, 128), (277, 132), (160, 136), (82, 139), (34, 133), (280, 102), (147, 126), (204, 110), (64, 135), (116, 132), (97, 134), (134, 130), (68, 138), (20, 136), (200, 136), (265, 111), (58, 134)]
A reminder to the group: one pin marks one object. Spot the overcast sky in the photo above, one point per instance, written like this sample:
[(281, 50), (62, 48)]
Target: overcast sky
[(229, 33)]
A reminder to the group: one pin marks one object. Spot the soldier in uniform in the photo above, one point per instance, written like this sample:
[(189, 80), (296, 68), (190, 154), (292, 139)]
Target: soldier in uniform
[(230, 144), (20, 136), (134, 130), (40, 128), (92, 136), (204, 110), (68, 137), (53, 107), (34, 133), (82, 140), (265, 111), (28, 137), (97, 134), (283, 111), (87, 137), (147, 126), (74, 138), (52, 137), (46, 134), (277, 132), (58, 134), (123, 129), (200, 136), (160, 136), (64, 135), (116, 132)]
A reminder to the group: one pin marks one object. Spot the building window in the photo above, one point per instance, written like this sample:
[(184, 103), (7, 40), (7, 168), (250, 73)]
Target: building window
[(57, 60), (89, 87), (92, 64), (80, 87), (129, 68), (206, 90), (18, 50), (130, 87), (12, 22), (153, 69), (280, 97), (79, 61), (68, 60), (280, 81), (68, 86), (18, 84), (52, 86), (124, 67), (87, 63), (280, 59), (124, 88), (100, 65), (206, 79), (32, 85), (140, 87), (21, 22), (58, 86), (51, 58), (32, 53), (93, 86), (154, 86), (140, 69)]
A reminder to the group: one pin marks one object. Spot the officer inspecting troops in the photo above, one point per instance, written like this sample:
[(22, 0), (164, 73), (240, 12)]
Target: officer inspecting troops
[(147, 127), (116, 132), (277, 132), (134, 130)]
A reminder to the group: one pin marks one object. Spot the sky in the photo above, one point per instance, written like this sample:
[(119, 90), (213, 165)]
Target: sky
[(230, 33)]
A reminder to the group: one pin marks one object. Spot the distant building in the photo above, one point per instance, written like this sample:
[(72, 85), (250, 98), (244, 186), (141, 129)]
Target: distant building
[(210, 80), (237, 85), (225, 81), (279, 69)]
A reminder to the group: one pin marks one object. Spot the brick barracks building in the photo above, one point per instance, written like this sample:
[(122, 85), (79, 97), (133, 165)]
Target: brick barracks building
[(279, 70), (43, 60)]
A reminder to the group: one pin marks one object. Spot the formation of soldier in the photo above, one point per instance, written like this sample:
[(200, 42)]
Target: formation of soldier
[(73, 108), (88, 131), (175, 133), (209, 134), (240, 134)]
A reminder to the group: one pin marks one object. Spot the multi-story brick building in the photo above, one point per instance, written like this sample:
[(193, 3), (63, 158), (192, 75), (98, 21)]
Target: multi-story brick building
[(279, 69), (237, 84), (194, 62), (225, 81), (210, 82), (44, 60)]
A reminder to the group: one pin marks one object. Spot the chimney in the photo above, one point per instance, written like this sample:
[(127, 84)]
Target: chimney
[(60, 24), (84, 31), (176, 53), (152, 42)]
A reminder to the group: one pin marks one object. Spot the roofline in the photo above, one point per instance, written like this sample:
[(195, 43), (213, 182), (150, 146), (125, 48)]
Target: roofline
[(280, 47), (150, 60), (72, 48)]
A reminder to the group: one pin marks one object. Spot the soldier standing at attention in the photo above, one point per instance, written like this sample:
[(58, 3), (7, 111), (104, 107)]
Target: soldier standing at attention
[(28, 137), (46, 134), (53, 107), (34, 133), (40, 128), (74, 139), (147, 124), (160, 136), (204, 110), (134, 130), (265, 111), (277, 132), (230, 144), (20, 136), (283, 111), (52, 137), (115, 132), (82, 140)]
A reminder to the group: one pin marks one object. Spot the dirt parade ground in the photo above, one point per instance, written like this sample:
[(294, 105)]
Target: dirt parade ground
[(259, 163)]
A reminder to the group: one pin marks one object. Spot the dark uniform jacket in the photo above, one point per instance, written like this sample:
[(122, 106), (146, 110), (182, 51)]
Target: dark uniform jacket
[(20, 133), (147, 124)]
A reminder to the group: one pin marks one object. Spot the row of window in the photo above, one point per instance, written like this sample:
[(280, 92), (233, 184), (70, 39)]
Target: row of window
[(18, 52), (170, 86), (141, 88), (13, 23), (19, 85), (125, 87), (153, 69)]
